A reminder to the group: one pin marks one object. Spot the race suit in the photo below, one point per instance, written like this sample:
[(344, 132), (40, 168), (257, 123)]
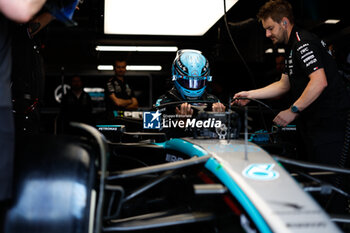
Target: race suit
[(173, 96)]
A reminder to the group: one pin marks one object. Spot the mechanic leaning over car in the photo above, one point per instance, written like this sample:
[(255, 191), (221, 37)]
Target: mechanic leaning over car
[(320, 101), (190, 74)]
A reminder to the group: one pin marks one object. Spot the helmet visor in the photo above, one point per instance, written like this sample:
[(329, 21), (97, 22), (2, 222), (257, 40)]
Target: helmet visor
[(192, 83)]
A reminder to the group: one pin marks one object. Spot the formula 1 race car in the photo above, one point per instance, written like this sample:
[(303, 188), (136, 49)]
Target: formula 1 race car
[(148, 182)]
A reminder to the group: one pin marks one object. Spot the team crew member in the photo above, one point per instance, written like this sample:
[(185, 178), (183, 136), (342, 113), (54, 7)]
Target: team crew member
[(119, 95), (320, 102), (21, 12), (77, 104), (191, 73)]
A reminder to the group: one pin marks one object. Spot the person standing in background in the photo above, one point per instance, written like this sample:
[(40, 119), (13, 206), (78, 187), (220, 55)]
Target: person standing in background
[(76, 104), (119, 95)]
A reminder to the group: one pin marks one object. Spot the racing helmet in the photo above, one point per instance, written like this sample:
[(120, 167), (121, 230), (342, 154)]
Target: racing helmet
[(190, 73)]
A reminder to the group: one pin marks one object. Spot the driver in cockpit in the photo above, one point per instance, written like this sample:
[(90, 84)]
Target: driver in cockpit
[(190, 74)]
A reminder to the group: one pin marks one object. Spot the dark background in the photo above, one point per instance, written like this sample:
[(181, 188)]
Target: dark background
[(74, 48)]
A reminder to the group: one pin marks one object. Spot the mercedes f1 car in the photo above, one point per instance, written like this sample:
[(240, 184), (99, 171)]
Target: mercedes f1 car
[(148, 182)]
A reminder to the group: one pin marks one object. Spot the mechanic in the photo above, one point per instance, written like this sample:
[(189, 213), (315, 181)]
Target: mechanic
[(11, 12), (119, 95), (320, 102), (21, 12), (190, 74)]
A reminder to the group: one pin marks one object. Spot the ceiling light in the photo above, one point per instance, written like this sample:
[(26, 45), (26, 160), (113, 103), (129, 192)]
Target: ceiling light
[(137, 48), (162, 17), (141, 68), (133, 67), (105, 67), (331, 21), (270, 50), (93, 89), (279, 50)]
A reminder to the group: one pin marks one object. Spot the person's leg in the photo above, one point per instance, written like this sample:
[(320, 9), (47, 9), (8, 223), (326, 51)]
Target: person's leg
[(6, 152), (328, 144), (304, 149), (6, 160)]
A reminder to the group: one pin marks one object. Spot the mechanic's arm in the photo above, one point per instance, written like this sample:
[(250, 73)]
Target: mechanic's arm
[(316, 85), (133, 105), (39, 22), (119, 101), (20, 11), (273, 90)]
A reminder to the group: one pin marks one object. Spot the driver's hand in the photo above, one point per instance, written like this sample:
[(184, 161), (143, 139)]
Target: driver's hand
[(241, 102), (218, 107), (185, 109)]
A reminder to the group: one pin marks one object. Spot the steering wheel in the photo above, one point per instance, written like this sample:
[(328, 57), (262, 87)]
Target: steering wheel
[(221, 132), (200, 108)]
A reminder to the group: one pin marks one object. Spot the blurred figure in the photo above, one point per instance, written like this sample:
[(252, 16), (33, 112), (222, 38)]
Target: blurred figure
[(280, 63), (274, 74), (18, 11), (119, 95), (77, 104), (21, 12), (28, 76)]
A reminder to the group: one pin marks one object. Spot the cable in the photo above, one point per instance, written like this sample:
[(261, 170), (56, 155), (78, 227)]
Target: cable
[(236, 48), (259, 102), (242, 59), (229, 120), (255, 100)]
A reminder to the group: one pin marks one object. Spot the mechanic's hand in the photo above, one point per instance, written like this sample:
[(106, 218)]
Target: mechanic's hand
[(185, 109), (240, 102), (285, 117), (218, 107)]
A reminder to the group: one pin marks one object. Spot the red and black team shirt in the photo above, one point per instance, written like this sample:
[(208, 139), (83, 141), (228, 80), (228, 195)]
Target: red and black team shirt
[(306, 53)]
